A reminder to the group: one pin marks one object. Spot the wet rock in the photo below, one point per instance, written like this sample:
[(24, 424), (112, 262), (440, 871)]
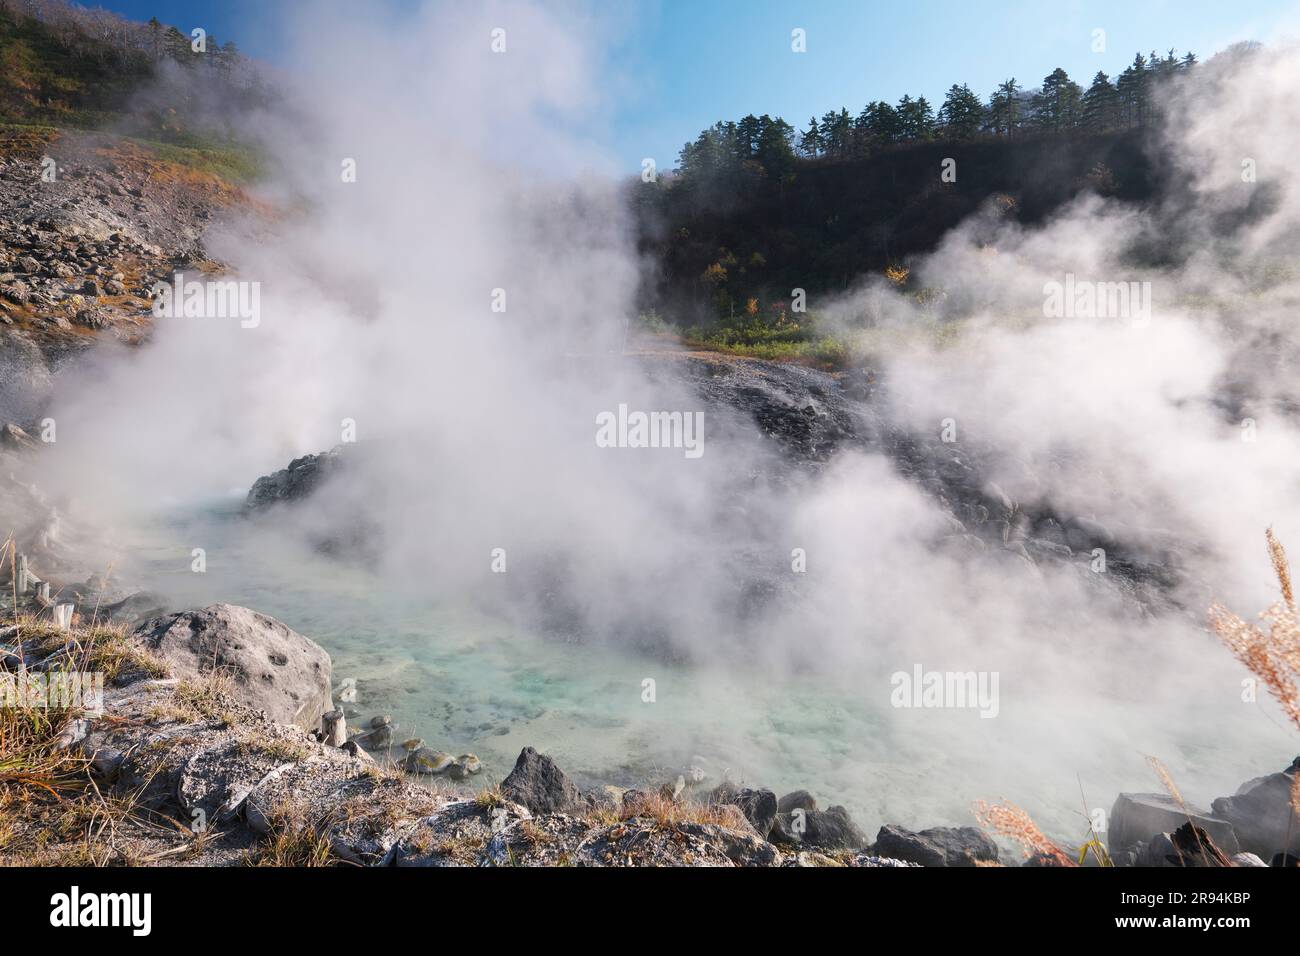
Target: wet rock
[(464, 766), (303, 476), (538, 784), (427, 761), (274, 668), (939, 846)]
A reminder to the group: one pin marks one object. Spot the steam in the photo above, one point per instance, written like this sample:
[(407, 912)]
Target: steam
[(477, 427)]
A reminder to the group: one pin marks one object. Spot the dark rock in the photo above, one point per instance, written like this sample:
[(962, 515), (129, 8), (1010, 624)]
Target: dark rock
[(799, 800), (538, 784), (1138, 817), (939, 846), (758, 806), (303, 476), (1260, 813)]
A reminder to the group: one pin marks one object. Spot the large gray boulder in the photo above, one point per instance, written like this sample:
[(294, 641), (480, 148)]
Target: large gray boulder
[(939, 846), (538, 784), (1261, 813), (1138, 817), (274, 668)]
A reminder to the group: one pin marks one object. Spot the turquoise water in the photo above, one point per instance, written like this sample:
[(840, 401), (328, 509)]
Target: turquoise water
[(464, 679)]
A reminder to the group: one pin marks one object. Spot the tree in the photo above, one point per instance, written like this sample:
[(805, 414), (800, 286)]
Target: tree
[(1101, 108), (810, 142), (962, 113), (1132, 87), (1057, 104), (1005, 108), (915, 119)]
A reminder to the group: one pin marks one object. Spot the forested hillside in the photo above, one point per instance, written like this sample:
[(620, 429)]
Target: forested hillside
[(757, 208)]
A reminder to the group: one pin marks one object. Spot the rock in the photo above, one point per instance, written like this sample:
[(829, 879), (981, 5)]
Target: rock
[(833, 829), (1138, 817), (1260, 814), (91, 318), (465, 765), (90, 288), (538, 784), (939, 846), (383, 721), (381, 738), (11, 436), (136, 608), (799, 800), (758, 806), (273, 667), (457, 834), (334, 728), (427, 761), (114, 287), (303, 476), (1247, 859)]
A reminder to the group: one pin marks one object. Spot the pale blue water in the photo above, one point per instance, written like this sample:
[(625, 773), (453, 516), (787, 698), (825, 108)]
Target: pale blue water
[(465, 680)]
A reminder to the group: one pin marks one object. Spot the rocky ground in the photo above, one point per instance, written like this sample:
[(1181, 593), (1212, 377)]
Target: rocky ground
[(217, 741), (82, 241)]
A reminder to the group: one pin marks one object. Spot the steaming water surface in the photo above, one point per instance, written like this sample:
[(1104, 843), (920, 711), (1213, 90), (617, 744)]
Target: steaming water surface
[(466, 681)]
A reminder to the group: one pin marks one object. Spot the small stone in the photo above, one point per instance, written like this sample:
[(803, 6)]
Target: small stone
[(381, 721), (428, 761)]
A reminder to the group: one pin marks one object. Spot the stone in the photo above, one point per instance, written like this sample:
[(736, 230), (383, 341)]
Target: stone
[(427, 761), (938, 846), (274, 668), (1260, 813), (833, 829), (1138, 817), (799, 800), (538, 784), (334, 728), (758, 806)]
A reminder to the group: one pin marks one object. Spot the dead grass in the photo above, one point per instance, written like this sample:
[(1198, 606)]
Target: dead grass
[(1269, 650), (297, 839), (1013, 823)]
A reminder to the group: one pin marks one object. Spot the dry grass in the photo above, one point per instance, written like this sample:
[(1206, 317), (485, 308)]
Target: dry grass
[(1269, 650), (296, 839), (1013, 823), (668, 813)]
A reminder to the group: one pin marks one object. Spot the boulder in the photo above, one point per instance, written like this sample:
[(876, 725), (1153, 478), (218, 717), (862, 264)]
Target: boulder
[(1261, 814), (1139, 817), (274, 668), (758, 806), (830, 829), (303, 476), (939, 846), (538, 784)]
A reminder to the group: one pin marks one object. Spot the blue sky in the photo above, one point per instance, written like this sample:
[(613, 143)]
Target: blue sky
[(692, 62)]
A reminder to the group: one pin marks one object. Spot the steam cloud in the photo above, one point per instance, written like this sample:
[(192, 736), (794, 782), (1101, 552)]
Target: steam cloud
[(477, 427)]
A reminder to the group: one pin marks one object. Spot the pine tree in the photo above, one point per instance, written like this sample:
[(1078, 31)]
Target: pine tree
[(1005, 108), (810, 143), (962, 113), (1057, 105), (1101, 104)]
